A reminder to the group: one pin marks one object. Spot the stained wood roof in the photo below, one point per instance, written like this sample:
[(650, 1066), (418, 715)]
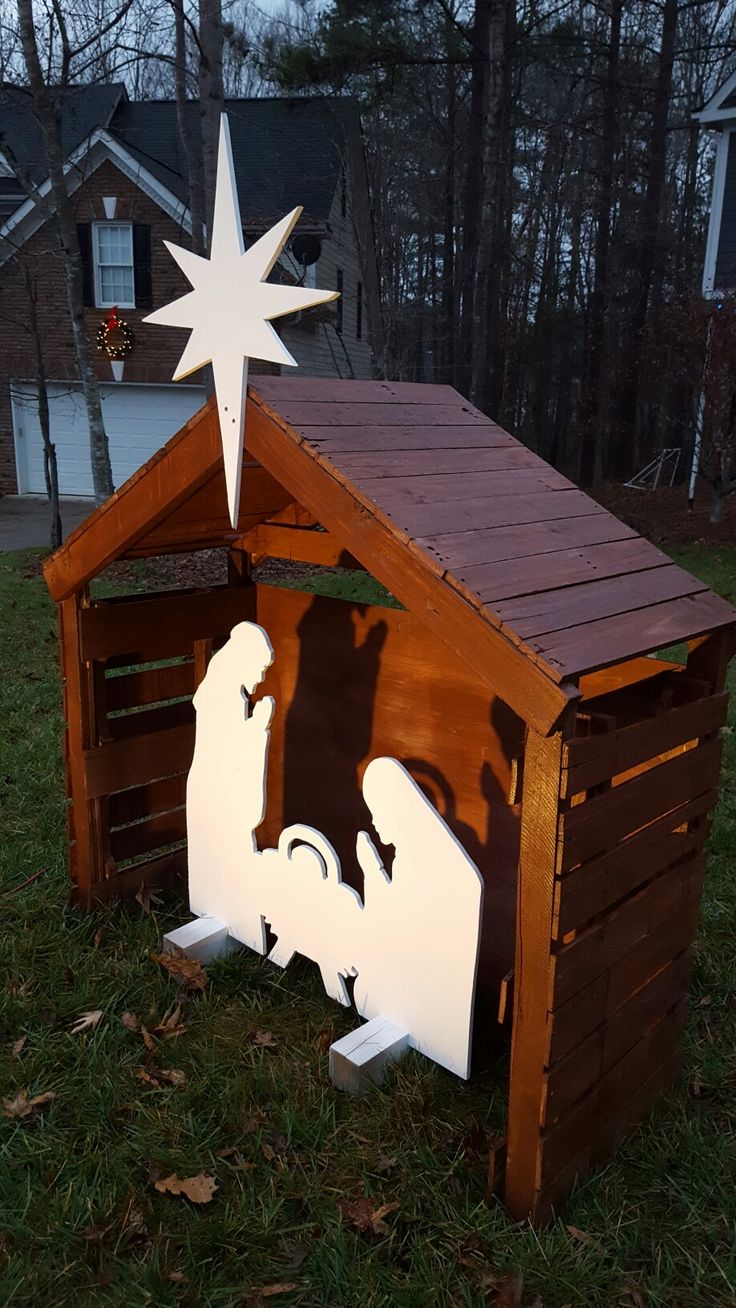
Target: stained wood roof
[(522, 573)]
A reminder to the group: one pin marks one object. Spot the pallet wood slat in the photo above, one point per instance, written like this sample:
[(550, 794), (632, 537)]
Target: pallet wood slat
[(608, 640), (607, 1131), (575, 606), (461, 551), (591, 889), (330, 443), (123, 764), (142, 837), (447, 488), (157, 628), (535, 574), (608, 1096), (152, 797), (149, 686), (575, 1075), (570, 1022), (600, 823), (597, 948), (141, 724), (352, 392), (306, 414), (396, 463), (162, 871), (460, 516), (590, 760)]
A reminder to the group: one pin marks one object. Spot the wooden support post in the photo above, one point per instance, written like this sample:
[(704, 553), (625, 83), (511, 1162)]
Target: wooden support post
[(709, 657), (535, 902), (86, 853), (359, 1060)]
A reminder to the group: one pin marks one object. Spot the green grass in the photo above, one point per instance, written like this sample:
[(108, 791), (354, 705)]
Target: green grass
[(80, 1219)]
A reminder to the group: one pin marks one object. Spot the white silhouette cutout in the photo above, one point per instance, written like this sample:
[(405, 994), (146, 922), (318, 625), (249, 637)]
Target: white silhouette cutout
[(411, 944), (226, 788), (419, 951)]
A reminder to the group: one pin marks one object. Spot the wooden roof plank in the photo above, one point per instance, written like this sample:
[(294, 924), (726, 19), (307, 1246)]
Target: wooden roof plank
[(348, 391), (374, 439), (376, 542), (304, 414), (461, 551), (461, 516), (597, 644), (535, 574), (554, 610), (439, 488), (418, 463)]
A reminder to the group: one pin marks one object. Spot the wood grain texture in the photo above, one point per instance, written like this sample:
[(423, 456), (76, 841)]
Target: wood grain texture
[(161, 626), (382, 549), (537, 864), (589, 761), (365, 682)]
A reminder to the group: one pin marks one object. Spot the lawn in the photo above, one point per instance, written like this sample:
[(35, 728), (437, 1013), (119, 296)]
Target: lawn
[(239, 1093)]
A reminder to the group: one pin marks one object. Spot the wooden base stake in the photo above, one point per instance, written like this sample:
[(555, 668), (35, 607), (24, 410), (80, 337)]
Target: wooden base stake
[(359, 1060), (204, 939)]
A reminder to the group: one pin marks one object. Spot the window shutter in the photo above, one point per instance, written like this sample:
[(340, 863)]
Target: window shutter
[(84, 237), (142, 265)]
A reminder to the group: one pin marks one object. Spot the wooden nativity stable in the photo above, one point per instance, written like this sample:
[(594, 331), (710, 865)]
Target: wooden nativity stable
[(519, 684)]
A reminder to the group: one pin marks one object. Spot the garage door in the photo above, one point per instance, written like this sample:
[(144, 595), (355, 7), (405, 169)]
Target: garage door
[(138, 421)]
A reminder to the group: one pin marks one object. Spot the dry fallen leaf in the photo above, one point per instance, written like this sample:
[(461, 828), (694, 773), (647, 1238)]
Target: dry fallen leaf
[(200, 1189), (264, 1038), (146, 897), (86, 1021), (157, 1075), (507, 1290), (18, 1046), (99, 934), (361, 1214), (281, 1287), (384, 1163), (377, 1222), (584, 1238), (170, 1025), (148, 1039), (177, 1277), (187, 971), (130, 1021), (636, 1298), (20, 1105)]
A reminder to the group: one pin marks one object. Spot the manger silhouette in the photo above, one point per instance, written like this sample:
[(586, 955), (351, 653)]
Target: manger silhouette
[(519, 687)]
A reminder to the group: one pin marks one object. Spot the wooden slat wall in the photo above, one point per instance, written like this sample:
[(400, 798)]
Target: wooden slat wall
[(129, 746), (609, 985)]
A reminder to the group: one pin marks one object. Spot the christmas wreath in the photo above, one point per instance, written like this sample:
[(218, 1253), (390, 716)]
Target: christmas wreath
[(114, 337)]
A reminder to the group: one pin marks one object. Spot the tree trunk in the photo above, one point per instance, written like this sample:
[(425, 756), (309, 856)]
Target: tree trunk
[(50, 469), (211, 99), (591, 407), (648, 251), (67, 232), (473, 189), (192, 157)]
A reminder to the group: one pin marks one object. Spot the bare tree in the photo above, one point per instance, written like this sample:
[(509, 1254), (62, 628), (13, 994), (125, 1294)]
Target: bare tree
[(46, 110)]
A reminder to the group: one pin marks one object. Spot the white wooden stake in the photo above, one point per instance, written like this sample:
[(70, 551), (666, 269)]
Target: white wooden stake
[(204, 939), (359, 1060)]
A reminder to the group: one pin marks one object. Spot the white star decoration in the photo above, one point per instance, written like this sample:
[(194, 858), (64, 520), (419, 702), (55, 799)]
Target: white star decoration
[(230, 309)]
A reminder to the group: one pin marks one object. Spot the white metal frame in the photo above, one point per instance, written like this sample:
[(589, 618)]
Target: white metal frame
[(710, 290)]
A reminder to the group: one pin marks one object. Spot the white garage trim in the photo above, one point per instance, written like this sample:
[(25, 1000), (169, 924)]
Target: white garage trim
[(139, 418)]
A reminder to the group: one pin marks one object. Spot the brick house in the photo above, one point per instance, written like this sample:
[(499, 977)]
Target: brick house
[(128, 183)]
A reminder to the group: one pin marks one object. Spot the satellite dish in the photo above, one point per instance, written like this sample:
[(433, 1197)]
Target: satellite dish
[(306, 249)]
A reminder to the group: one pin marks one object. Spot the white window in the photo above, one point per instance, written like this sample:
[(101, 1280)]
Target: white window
[(113, 256)]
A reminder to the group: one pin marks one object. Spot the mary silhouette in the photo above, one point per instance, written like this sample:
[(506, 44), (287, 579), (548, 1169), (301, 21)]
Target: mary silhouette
[(419, 946), (226, 788)]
